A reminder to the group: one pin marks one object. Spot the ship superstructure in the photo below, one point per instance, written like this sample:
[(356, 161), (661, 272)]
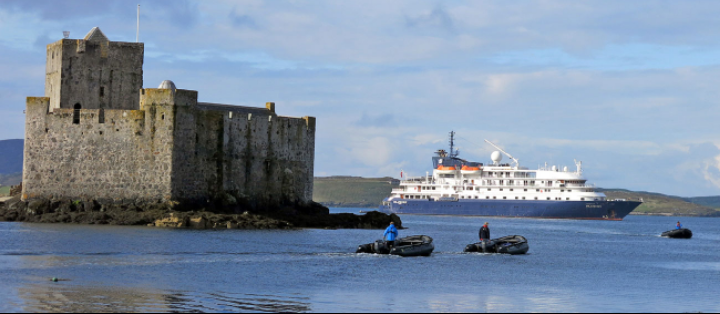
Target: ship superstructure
[(461, 187)]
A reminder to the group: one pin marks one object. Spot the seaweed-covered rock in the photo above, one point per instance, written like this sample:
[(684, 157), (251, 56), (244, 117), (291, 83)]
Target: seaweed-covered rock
[(167, 215)]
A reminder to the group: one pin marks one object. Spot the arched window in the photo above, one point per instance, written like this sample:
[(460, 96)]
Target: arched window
[(76, 114)]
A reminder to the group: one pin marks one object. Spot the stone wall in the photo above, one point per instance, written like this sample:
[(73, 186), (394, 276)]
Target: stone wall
[(254, 155), (97, 74), (258, 158), (171, 149), (122, 159)]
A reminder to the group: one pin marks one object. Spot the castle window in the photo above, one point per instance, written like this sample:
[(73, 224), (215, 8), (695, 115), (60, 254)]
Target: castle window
[(102, 92), (76, 114), (101, 116)]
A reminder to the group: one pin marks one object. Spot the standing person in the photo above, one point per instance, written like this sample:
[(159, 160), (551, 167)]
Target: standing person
[(485, 235), (391, 233), (678, 226)]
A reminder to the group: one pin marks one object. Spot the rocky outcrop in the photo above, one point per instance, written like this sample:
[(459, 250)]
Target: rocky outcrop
[(168, 215)]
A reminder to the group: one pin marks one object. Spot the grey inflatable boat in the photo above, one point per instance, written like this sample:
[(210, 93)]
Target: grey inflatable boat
[(678, 234), (513, 245), (419, 245)]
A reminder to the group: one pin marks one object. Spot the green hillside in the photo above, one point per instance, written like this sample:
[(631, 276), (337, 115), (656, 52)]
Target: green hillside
[(709, 201), (352, 191), (659, 204), (4, 190), (369, 193)]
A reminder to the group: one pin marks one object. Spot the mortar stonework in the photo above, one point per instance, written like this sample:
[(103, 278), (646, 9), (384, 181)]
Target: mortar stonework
[(155, 145)]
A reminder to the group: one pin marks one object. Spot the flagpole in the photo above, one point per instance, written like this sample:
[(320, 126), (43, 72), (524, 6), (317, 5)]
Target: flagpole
[(137, 35)]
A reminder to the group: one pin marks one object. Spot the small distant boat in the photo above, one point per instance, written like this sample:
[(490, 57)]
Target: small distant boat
[(513, 245), (419, 245), (678, 234)]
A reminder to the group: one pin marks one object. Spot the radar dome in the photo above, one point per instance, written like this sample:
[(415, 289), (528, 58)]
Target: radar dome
[(167, 84), (496, 157)]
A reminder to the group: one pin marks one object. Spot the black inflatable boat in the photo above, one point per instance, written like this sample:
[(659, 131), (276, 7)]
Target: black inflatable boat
[(678, 234), (419, 245), (513, 245)]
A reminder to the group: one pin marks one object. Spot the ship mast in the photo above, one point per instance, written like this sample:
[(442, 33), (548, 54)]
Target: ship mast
[(453, 153)]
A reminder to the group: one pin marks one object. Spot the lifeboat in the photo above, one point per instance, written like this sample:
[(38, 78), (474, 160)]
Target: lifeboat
[(446, 170), (470, 170)]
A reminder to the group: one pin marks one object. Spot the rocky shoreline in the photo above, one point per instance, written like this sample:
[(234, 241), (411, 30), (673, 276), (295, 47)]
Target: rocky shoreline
[(167, 215)]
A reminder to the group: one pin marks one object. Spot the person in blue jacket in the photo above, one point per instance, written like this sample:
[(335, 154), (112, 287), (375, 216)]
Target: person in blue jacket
[(391, 233), (678, 226)]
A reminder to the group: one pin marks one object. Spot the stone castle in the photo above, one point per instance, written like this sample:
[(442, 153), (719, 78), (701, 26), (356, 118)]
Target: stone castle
[(99, 135)]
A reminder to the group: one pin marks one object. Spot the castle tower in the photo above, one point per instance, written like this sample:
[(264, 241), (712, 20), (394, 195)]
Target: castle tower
[(94, 73)]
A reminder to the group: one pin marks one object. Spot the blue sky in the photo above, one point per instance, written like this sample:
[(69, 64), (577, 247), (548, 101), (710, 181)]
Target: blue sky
[(628, 87)]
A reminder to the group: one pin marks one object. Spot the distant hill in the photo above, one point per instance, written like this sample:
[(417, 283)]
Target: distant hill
[(11, 156), (660, 204), (10, 179), (352, 191), (709, 201), (369, 193)]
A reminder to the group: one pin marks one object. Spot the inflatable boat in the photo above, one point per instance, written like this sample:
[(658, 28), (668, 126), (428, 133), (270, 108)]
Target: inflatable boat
[(678, 234), (419, 245), (513, 245)]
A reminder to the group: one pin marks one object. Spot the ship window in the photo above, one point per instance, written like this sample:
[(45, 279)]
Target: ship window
[(504, 197), (512, 190), (582, 199), (569, 191), (536, 199), (501, 190), (523, 197), (487, 197), (525, 190), (494, 197), (489, 189), (548, 198), (476, 197), (538, 190), (568, 198), (516, 197), (433, 188)]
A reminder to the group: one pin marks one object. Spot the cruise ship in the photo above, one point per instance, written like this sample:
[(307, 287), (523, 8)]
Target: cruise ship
[(461, 187)]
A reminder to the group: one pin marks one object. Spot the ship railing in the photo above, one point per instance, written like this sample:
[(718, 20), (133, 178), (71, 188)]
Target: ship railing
[(441, 185)]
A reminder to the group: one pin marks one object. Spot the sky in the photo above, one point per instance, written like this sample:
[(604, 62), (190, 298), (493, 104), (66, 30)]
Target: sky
[(628, 87)]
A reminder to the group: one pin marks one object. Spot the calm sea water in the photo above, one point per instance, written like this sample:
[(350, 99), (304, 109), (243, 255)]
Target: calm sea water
[(573, 266)]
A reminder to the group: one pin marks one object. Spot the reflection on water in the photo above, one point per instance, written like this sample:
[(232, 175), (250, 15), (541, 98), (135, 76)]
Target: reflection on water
[(60, 298)]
